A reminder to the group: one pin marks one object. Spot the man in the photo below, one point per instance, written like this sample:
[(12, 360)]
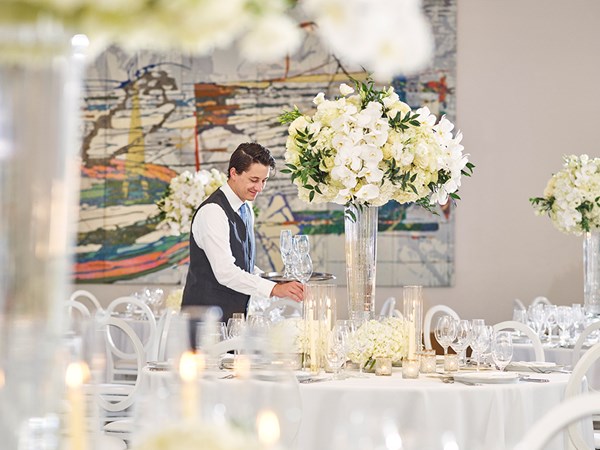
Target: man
[(222, 248)]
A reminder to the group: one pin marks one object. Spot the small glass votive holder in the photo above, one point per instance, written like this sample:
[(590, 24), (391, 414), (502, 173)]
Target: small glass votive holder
[(428, 361), (450, 362), (383, 366), (410, 368)]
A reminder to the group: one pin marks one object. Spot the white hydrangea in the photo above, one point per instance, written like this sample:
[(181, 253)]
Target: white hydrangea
[(358, 148), (185, 194), (572, 196), (387, 338)]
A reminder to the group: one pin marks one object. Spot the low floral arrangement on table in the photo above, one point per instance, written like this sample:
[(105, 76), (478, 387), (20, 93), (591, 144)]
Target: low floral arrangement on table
[(387, 338), (572, 196), (174, 299), (184, 195), (197, 435), (368, 147)]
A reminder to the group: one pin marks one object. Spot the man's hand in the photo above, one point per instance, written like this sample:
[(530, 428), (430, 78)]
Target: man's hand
[(292, 289)]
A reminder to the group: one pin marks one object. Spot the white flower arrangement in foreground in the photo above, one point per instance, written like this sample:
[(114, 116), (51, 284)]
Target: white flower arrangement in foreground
[(198, 435), (387, 338), (184, 195), (572, 196), (385, 36), (367, 148)]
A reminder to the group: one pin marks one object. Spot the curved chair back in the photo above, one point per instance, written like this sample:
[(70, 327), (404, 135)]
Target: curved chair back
[(443, 309), (567, 412), (388, 307), (518, 304), (531, 334), (581, 340), (149, 343), (80, 307), (127, 400), (75, 296), (540, 299), (162, 329), (573, 389)]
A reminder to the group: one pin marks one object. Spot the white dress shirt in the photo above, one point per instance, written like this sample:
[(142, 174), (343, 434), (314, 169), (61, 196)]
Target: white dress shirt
[(210, 230)]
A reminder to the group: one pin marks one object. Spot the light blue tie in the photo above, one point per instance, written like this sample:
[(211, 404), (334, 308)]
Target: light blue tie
[(245, 215)]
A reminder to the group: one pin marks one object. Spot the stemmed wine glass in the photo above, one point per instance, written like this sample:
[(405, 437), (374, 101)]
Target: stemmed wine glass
[(304, 268), (445, 331), (502, 349), (464, 334), (335, 351), (286, 248), (564, 319)]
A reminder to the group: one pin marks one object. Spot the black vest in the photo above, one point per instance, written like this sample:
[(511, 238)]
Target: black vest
[(201, 286)]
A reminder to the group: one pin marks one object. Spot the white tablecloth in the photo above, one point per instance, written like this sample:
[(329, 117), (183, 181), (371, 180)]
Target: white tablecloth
[(426, 413), (559, 355)]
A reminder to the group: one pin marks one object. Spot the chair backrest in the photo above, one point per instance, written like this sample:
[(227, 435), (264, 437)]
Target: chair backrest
[(75, 296), (519, 304), (388, 307), (531, 334), (150, 342), (429, 318), (127, 400), (581, 340), (80, 307), (162, 330), (573, 388), (557, 418), (541, 299)]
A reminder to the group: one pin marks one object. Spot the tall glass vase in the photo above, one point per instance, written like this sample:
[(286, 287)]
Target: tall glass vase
[(361, 260), (39, 185), (591, 272)]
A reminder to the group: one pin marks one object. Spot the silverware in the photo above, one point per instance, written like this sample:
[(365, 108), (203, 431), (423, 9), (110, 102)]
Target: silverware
[(451, 380), (313, 380), (533, 380)]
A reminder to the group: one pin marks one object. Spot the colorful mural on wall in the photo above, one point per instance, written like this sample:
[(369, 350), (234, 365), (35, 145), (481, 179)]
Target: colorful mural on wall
[(148, 117)]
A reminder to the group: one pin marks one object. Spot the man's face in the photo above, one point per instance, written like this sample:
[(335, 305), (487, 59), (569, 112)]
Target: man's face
[(247, 185)]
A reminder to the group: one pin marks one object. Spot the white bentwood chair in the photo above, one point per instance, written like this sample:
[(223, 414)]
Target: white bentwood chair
[(89, 298), (427, 321), (581, 341), (528, 331), (542, 300), (557, 418), (574, 389)]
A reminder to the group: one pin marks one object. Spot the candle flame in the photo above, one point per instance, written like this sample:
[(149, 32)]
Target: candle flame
[(188, 367), (241, 366), (267, 425), (2, 378), (77, 373)]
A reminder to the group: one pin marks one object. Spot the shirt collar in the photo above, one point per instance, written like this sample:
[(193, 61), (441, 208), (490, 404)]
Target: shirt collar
[(232, 197)]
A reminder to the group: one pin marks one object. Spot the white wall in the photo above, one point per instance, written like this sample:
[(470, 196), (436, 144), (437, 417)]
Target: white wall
[(527, 93)]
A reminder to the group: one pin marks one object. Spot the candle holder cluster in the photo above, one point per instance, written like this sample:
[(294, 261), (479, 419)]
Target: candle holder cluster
[(413, 315), (319, 317)]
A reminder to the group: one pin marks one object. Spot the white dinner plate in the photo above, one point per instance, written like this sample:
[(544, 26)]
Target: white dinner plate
[(531, 366), (487, 377)]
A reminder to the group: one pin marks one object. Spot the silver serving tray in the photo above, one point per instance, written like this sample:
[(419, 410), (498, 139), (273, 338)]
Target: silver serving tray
[(279, 278)]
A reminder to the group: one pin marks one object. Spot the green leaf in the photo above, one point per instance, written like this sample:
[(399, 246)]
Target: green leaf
[(289, 116)]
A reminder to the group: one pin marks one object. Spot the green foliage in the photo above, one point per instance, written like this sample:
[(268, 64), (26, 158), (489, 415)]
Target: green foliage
[(289, 116)]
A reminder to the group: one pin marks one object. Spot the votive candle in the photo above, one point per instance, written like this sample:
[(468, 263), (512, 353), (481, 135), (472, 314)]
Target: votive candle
[(450, 362), (383, 366), (428, 361), (410, 368)]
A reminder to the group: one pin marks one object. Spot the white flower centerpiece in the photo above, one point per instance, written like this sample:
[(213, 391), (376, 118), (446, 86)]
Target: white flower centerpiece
[(572, 201), (362, 150), (185, 193), (387, 338)]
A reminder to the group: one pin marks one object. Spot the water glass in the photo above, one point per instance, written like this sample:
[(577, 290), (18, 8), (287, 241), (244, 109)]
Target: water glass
[(564, 319), (286, 248), (445, 331), (481, 339), (304, 268), (302, 244), (335, 351), (502, 349), (550, 318), (464, 334)]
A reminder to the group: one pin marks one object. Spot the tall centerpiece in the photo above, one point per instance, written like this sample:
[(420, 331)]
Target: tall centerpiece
[(572, 200), (361, 150)]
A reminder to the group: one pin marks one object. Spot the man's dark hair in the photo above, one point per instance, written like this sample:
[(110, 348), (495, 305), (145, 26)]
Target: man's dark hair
[(247, 154)]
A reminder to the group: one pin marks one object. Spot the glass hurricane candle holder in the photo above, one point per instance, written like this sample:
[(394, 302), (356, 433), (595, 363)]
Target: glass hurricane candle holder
[(410, 368), (428, 361), (383, 366)]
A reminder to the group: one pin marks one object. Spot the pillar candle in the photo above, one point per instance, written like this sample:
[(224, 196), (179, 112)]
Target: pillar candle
[(188, 371), (75, 376)]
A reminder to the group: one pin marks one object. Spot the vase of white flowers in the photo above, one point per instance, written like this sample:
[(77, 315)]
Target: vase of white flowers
[(572, 201), (362, 150)]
